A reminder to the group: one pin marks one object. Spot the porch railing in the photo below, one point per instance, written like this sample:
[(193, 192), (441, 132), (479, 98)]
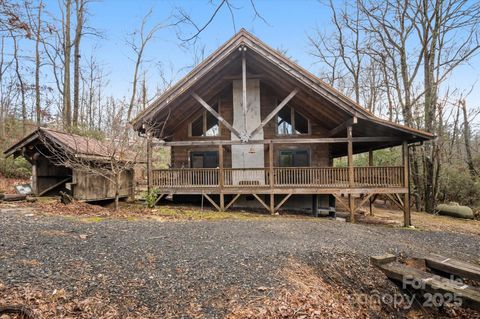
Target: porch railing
[(304, 177)]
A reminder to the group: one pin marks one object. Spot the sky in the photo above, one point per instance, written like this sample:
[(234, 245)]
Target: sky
[(289, 24)]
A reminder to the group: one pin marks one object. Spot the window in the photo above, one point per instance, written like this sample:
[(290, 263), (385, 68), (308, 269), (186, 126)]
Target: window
[(290, 122), (294, 158), (206, 124), (204, 159)]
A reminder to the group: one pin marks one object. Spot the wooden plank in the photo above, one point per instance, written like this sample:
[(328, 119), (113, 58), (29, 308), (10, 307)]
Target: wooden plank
[(63, 181), (214, 113), (453, 266), (277, 109), (159, 198), (428, 282), (382, 259), (343, 126), (211, 201)]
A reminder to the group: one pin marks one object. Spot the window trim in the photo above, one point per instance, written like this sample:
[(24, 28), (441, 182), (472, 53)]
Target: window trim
[(292, 116), (204, 124)]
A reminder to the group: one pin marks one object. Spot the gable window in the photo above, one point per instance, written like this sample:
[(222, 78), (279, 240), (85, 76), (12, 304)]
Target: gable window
[(290, 122), (206, 124)]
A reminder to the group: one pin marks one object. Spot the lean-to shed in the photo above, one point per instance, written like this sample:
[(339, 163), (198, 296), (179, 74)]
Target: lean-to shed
[(48, 151)]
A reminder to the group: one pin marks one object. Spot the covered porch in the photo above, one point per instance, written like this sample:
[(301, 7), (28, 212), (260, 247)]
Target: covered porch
[(344, 183)]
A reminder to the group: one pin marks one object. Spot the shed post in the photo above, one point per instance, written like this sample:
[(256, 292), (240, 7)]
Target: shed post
[(406, 200), (149, 162), (351, 182), (221, 177), (370, 158)]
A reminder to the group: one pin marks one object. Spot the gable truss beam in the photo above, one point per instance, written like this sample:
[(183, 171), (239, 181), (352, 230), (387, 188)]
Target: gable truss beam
[(343, 126), (217, 116), (274, 112)]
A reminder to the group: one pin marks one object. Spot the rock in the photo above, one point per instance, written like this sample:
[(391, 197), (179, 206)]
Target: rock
[(83, 236)]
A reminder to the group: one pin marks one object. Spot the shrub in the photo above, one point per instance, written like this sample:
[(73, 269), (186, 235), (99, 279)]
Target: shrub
[(15, 168), (457, 185)]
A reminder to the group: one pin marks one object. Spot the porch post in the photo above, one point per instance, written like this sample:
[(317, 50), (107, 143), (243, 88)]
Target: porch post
[(221, 178), (370, 163), (351, 181), (271, 177), (149, 162), (406, 180)]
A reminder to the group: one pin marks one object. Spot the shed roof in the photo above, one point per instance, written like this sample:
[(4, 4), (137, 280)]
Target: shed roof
[(75, 144), (283, 74)]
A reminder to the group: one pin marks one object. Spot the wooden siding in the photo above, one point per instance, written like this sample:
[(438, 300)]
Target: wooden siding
[(319, 153)]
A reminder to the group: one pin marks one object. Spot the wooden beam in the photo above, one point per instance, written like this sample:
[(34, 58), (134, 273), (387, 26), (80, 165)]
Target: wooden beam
[(453, 266), (214, 113), (351, 181), (279, 205), (370, 158), (232, 201), (244, 87), (63, 181), (363, 201), (149, 162), (274, 112), (211, 201), (320, 140), (394, 200), (341, 202), (261, 202), (159, 198), (221, 177), (407, 219), (343, 126)]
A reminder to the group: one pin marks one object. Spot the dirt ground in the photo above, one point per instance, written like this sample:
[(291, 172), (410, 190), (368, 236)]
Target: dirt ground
[(84, 261)]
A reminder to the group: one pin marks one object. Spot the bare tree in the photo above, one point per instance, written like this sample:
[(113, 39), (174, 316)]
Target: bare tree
[(67, 47), (138, 44)]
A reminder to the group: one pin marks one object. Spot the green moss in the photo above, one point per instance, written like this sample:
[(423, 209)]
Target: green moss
[(92, 219)]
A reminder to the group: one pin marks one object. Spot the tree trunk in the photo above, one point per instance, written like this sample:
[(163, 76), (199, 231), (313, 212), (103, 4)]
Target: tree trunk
[(67, 110), (466, 135), (76, 60), (21, 85), (38, 107)]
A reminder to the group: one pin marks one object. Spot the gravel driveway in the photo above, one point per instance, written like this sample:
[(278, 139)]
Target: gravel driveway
[(170, 266)]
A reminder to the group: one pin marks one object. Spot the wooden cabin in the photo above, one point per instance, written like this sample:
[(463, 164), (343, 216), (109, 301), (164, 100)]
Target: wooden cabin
[(48, 151), (249, 125)]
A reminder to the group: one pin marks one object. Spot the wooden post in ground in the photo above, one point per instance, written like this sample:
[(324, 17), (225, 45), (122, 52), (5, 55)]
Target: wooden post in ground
[(149, 162), (221, 177), (370, 163), (271, 178), (406, 180), (351, 181)]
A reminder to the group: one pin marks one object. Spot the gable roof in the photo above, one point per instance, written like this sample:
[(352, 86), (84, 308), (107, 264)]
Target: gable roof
[(74, 144), (311, 83)]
